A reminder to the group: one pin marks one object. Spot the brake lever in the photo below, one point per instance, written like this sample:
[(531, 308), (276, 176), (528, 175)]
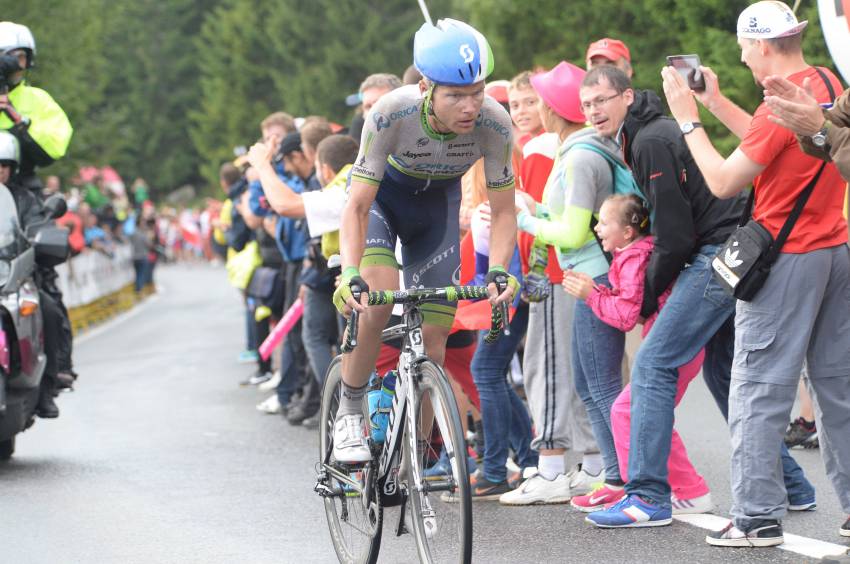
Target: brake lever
[(353, 324)]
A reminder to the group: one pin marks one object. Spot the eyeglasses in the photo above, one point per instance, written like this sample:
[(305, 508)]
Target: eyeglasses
[(598, 102)]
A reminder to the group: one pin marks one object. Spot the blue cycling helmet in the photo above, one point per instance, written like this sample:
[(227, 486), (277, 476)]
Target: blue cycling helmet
[(452, 53)]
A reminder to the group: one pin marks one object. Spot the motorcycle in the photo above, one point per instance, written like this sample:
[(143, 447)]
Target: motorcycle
[(22, 353)]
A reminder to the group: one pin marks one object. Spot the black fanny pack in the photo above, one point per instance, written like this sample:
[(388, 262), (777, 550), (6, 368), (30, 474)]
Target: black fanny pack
[(743, 264)]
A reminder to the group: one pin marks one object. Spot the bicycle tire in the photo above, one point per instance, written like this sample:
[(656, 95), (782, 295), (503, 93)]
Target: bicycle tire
[(452, 541), (343, 534)]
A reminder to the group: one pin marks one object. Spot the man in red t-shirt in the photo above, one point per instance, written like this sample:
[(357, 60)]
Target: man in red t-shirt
[(801, 312)]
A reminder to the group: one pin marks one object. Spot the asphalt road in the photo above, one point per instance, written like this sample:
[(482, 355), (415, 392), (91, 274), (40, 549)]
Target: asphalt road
[(160, 457)]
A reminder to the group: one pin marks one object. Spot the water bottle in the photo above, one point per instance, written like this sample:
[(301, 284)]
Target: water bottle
[(380, 398)]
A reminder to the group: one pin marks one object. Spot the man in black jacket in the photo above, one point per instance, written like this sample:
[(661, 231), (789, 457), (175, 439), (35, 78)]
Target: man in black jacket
[(689, 225)]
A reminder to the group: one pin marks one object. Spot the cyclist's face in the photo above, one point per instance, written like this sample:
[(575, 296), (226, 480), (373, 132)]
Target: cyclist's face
[(458, 106), (5, 172)]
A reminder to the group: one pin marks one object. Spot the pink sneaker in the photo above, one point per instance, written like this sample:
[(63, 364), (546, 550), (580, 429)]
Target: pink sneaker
[(596, 500)]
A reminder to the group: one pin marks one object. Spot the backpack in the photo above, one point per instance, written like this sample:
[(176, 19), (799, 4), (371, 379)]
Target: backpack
[(624, 183)]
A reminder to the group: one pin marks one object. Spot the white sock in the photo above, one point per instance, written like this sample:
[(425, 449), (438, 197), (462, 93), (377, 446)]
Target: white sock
[(592, 463), (550, 465)]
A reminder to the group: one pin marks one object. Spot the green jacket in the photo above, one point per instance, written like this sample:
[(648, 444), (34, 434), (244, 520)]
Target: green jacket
[(49, 132)]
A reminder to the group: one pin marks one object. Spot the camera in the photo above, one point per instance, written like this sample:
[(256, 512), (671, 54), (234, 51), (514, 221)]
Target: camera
[(9, 65)]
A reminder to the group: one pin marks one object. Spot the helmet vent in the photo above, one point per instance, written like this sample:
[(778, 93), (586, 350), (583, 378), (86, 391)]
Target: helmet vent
[(460, 72)]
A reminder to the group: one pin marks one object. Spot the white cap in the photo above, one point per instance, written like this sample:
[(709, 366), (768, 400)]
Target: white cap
[(768, 19)]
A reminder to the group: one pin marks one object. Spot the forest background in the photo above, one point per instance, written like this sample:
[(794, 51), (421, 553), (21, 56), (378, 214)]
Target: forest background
[(166, 89)]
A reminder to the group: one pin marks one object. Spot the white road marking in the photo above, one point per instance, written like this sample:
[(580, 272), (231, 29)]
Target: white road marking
[(812, 548)]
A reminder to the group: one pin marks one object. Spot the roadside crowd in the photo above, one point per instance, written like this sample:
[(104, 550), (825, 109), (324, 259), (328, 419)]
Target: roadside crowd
[(628, 219)]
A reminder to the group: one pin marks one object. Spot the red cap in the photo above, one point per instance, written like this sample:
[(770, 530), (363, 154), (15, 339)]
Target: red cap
[(611, 49), (498, 90)]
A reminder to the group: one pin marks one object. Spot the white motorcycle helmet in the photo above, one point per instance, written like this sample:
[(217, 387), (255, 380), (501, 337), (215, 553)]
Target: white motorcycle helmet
[(10, 149), (16, 36)]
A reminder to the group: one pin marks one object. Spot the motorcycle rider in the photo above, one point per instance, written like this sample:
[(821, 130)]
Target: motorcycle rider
[(31, 211), (29, 113), (43, 133)]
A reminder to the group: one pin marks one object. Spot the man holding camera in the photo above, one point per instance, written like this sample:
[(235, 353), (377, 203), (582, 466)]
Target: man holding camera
[(29, 113), (800, 313)]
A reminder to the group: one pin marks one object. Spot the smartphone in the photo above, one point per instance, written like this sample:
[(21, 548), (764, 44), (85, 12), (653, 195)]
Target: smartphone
[(688, 67)]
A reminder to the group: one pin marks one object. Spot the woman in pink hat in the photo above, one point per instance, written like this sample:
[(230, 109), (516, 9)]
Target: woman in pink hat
[(580, 180)]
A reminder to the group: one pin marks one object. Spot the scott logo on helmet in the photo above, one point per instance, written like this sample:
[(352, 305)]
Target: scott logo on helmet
[(467, 53)]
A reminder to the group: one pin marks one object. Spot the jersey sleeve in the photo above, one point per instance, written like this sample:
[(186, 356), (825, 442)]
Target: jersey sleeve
[(497, 146), (376, 142)]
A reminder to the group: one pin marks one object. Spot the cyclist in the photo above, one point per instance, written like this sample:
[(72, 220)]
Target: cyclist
[(416, 144)]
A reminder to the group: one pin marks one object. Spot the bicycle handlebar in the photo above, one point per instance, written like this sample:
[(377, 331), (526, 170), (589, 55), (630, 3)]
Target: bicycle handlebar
[(498, 320)]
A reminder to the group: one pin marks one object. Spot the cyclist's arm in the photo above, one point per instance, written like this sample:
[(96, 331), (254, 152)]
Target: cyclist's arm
[(355, 220)]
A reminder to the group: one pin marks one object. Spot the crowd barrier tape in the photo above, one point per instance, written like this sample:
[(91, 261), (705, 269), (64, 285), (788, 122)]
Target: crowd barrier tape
[(96, 287)]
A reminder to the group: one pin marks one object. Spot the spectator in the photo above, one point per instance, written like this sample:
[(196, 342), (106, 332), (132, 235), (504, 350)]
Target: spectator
[(52, 185), (801, 311), (371, 90), (411, 75), (608, 51), (688, 225), (580, 180)]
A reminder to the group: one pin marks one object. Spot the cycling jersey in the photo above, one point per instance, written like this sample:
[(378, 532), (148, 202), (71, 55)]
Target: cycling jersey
[(397, 135)]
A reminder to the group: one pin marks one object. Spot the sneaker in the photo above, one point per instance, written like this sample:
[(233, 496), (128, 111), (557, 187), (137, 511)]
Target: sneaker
[(259, 378), (271, 405), (763, 533), (631, 511), (804, 505), (692, 506), (844, 531), (312, 422), (247, 357), (439, 470), (537, 490), (596, 500), (582, 482), (514, 475), (485, 490), (350, 446), (270, 384), (801, 433)]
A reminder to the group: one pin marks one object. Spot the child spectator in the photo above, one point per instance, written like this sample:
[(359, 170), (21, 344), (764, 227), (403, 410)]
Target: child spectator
[(623, 227)]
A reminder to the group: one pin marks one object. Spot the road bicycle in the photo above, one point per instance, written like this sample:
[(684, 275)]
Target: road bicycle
[(424, 417)]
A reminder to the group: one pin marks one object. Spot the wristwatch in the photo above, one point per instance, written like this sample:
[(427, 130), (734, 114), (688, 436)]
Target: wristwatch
[(689, 126), (819, 138)]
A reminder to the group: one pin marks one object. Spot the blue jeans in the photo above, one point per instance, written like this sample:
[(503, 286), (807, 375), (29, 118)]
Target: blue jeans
[(597, 369), (505, 419), (716, 371), (319, 331), (696, 309)]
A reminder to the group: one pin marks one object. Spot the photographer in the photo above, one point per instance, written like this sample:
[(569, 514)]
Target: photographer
[(29, 113)]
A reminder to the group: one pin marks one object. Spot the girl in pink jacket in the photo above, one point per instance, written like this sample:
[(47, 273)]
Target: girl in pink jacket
[(623, 230)]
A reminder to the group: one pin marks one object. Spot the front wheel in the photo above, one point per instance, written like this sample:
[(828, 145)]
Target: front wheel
[(354, 518), (440, 508)]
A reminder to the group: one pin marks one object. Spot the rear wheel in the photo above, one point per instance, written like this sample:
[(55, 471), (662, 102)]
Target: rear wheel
[(7, 448), (440, 509), (354, 518)]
